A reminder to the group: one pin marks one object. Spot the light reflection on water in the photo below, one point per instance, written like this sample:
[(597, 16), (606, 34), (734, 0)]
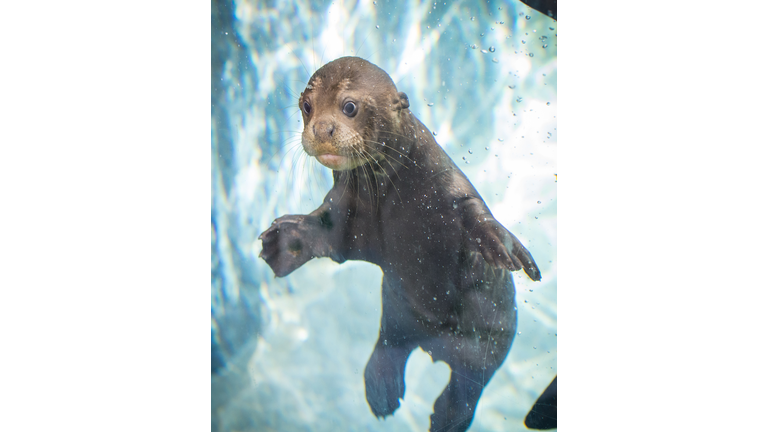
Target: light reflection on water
[(291, 351)]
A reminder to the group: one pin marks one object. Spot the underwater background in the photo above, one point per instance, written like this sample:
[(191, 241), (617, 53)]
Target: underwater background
[(288, 354)]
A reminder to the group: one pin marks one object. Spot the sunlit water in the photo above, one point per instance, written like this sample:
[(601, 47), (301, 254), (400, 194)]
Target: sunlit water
[(289, 354)]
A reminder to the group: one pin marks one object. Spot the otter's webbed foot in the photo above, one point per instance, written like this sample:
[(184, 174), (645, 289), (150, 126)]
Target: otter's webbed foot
[(501, 248), (290, 242)]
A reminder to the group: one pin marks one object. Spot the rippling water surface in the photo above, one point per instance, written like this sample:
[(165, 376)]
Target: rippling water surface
[(288, 354)]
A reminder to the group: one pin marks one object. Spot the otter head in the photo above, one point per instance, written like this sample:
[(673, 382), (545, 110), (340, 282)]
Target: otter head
[(346, 106)]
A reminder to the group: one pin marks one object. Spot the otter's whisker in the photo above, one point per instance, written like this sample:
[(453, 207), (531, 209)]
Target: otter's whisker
[(394, 186), (370, 160), (386, 155)]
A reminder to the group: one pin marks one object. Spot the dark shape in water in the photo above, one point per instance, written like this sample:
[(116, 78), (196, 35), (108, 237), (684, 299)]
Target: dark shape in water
[(398, 201), (547, 7), (543, 415)]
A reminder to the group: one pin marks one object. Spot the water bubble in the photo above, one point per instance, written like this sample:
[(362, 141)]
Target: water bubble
[(545, 45), (486, 148), (430, 104), (538, 202), (551, 28), (473, 46), (385, 341), (501, 22), (531, 54), (495, 60), (484, 51), (523, 40), (434, 133), (469, 151), (527, 17), (511, 87), (519, 99), (472, 19), (491, 48), (547, 103), (501, 139), (377, 26)]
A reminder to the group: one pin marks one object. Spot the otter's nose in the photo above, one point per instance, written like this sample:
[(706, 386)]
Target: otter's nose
[(323, 129)]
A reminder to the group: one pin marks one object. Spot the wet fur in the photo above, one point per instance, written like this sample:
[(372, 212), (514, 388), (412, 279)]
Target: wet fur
[(406, 207)]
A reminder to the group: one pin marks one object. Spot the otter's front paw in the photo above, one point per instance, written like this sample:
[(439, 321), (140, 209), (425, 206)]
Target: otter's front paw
[(285, 245), (502, 249)]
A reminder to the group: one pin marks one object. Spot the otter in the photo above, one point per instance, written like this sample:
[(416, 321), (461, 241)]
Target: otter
[(399, 201)]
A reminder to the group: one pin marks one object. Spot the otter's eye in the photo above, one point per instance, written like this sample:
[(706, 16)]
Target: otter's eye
[(350, 109), (306, 107)]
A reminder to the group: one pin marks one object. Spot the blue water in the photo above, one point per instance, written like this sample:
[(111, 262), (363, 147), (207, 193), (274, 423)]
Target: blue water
[(288, 354)]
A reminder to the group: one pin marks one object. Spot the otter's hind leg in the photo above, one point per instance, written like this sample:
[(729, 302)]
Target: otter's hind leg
[(385, 371), (473, 362), (455, 408), (385, 376)]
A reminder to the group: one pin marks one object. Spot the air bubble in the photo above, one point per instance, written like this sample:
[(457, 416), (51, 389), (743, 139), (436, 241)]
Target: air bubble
[(492, 49)]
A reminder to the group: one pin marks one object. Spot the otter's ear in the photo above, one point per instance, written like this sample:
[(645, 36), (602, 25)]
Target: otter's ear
[(401, 102)]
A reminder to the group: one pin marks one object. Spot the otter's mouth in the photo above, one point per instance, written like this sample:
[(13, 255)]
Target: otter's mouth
[(337, 162)]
